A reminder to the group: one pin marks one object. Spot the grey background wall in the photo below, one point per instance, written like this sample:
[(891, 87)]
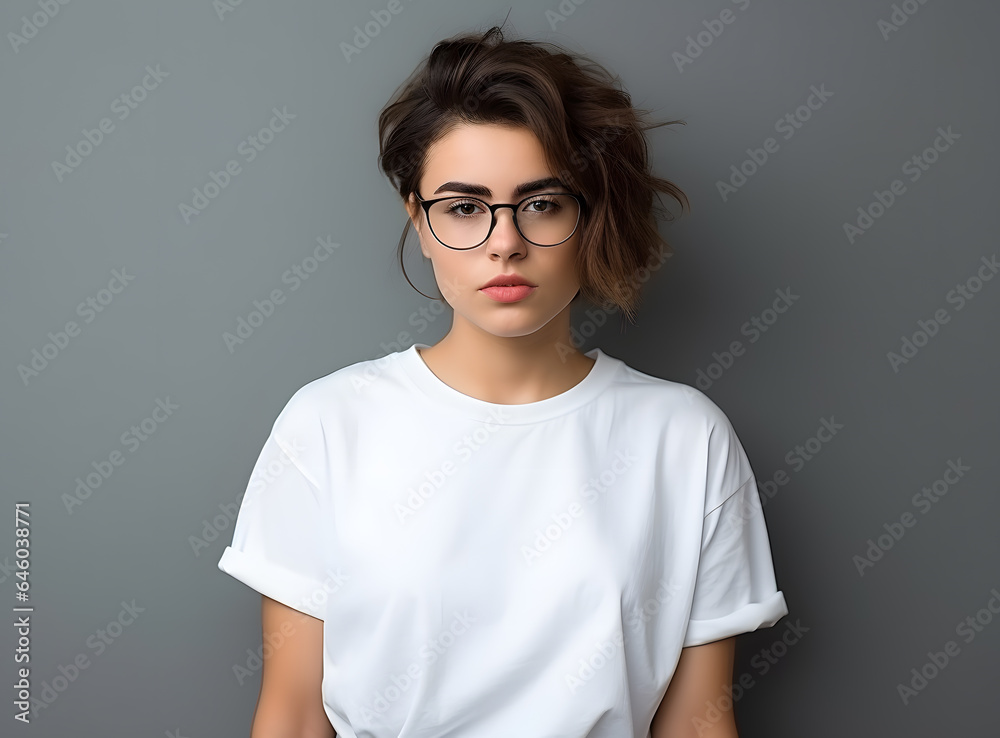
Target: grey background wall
[(133, 433)]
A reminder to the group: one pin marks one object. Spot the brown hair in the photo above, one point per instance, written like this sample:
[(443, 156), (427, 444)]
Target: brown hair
[(591, 135)]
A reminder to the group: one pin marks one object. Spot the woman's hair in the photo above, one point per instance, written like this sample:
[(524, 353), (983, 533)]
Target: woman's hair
[(592, 137)]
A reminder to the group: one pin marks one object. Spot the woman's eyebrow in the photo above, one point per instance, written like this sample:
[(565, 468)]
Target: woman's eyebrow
[(546, 183)]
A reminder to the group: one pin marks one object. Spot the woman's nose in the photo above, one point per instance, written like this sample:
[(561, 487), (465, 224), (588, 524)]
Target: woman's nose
[(505, 235)]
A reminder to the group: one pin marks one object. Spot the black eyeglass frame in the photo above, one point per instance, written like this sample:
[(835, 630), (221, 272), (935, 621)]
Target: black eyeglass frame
[(426, 205)]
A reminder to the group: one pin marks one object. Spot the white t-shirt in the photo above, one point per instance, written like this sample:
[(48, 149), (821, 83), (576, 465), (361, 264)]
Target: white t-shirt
[(503, 570)]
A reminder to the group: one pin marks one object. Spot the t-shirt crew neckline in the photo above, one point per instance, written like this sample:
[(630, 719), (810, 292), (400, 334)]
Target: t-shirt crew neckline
[(600, 375)]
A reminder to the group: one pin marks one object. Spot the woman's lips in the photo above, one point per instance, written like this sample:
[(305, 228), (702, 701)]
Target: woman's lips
[(508, 294)]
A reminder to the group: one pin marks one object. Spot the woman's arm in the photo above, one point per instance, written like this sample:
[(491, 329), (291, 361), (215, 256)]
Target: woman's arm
[(703, 675), (291, 699)]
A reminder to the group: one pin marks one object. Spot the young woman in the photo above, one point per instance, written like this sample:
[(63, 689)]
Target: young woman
[(499, 535)]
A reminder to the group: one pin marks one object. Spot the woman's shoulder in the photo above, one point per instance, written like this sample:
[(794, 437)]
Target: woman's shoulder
[(681, 402), (339, 392)]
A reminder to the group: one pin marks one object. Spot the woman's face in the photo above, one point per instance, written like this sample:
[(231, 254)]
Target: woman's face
[(498, 158)]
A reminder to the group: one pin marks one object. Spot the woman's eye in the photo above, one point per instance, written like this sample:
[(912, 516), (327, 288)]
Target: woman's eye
[(463, 208), (545, 206)]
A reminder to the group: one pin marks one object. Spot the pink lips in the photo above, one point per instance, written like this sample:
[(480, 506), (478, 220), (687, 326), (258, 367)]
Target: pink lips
[(508, 293)]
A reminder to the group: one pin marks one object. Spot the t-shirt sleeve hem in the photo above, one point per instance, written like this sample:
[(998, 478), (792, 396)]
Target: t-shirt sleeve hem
[(287, 587), (748, 618)]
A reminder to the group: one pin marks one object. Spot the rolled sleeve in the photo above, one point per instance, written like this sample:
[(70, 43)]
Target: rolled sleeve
[(277, 546), (735, 591)]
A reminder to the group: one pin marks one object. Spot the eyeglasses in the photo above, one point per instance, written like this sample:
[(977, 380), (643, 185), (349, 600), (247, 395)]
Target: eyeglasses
[(460, 223)]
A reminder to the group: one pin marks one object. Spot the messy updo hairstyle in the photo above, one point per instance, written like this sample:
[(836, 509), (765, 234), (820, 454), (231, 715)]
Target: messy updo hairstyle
[(592, 137)]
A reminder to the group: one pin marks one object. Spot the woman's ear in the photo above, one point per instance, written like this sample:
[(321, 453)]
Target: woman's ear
[(412, 208)]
